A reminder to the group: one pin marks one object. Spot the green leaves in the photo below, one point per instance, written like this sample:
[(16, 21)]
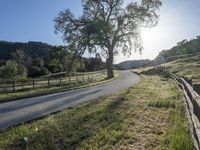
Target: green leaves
[(108, 26), (12, 70)]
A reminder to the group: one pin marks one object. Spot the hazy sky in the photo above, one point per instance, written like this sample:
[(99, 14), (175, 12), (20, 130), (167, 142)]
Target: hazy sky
[(32, 20)]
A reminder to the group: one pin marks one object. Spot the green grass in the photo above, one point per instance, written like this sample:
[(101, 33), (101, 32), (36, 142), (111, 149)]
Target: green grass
[(130, 119), (178, 136), (163, 104), (188, 66), (185, 65)]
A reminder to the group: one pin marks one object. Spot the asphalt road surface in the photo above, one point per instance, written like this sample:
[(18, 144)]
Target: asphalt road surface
[(16, 112)]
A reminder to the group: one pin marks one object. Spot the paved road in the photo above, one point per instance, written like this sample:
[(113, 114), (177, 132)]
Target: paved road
[(12, 113)]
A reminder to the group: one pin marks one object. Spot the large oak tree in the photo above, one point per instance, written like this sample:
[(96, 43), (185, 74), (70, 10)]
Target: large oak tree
[(108, 26)]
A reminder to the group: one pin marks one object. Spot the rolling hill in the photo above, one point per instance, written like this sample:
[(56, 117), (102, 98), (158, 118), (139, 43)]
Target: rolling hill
[(186, 65), (184, 47), (133, 64), (33, 49), (185, 51)]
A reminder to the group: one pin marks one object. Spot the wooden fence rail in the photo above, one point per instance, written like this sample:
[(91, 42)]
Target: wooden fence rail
[(192, 97), (12, 86)]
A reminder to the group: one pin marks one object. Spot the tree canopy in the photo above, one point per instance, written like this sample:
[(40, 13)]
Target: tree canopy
[(108, 26)]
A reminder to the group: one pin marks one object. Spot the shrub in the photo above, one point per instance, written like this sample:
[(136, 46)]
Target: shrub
[(35, 71), (12, 70), (44, 71)]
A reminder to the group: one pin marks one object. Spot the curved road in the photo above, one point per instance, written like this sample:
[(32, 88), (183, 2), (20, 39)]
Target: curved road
[(15, 112)]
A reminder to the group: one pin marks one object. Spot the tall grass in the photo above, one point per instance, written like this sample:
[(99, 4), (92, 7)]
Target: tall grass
[(149, 115), (178, 136)]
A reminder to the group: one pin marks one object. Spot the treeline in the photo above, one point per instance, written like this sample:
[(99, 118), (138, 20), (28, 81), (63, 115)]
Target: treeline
[(33, 49), (34, 59)]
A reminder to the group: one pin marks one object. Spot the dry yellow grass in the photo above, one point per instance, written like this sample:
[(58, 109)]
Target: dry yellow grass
[(131, 120)]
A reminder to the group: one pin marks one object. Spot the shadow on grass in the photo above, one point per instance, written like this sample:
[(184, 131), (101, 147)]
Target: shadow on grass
[(71, 130)]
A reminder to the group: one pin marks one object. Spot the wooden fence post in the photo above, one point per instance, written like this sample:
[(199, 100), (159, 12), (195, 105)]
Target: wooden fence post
[(33, 84), (13, 85), (196, 88), (190, 82), (48, 81), (60, 81), (77, 78)]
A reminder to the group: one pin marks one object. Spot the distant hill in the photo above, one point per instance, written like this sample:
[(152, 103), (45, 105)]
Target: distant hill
[(182, 48), (33, 49), (38, 59), (132, 64), (42, 50)]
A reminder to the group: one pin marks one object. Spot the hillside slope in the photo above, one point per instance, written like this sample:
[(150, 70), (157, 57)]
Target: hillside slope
[(33, 49), (186, 65), (133, 64), (182, 48)]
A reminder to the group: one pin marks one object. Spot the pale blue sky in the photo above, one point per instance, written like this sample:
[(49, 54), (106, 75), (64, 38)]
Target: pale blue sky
[(32, 20)]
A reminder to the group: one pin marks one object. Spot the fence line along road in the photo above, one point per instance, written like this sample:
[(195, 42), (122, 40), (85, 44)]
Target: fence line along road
[(50, 81), (192, 98)]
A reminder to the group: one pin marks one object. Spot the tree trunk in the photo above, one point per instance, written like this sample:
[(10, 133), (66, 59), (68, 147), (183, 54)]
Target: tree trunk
[(110, 73)]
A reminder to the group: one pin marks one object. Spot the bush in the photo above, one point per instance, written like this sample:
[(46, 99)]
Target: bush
[(21, 71), (12, 70), (44, 71), (35, 71)]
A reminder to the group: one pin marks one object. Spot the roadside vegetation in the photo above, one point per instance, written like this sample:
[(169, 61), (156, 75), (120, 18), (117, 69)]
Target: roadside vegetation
[(33, 60), (26, 93), (131, 119), (186, 65)]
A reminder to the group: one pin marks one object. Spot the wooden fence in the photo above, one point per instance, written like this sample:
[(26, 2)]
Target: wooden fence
[(49, 81), (191, 92)]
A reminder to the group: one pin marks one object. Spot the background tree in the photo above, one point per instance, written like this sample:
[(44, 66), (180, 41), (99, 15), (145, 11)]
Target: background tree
[(39, 62), (12, 70), (56, 60), (63, 59), (94, 63), (71, 63), (54, 65), (107, 25), (37, 69), (21, 58)]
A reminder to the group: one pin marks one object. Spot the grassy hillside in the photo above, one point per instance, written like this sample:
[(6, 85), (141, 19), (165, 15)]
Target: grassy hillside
[(187, 65), (132, 64), (131, 119), (184, 47)]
